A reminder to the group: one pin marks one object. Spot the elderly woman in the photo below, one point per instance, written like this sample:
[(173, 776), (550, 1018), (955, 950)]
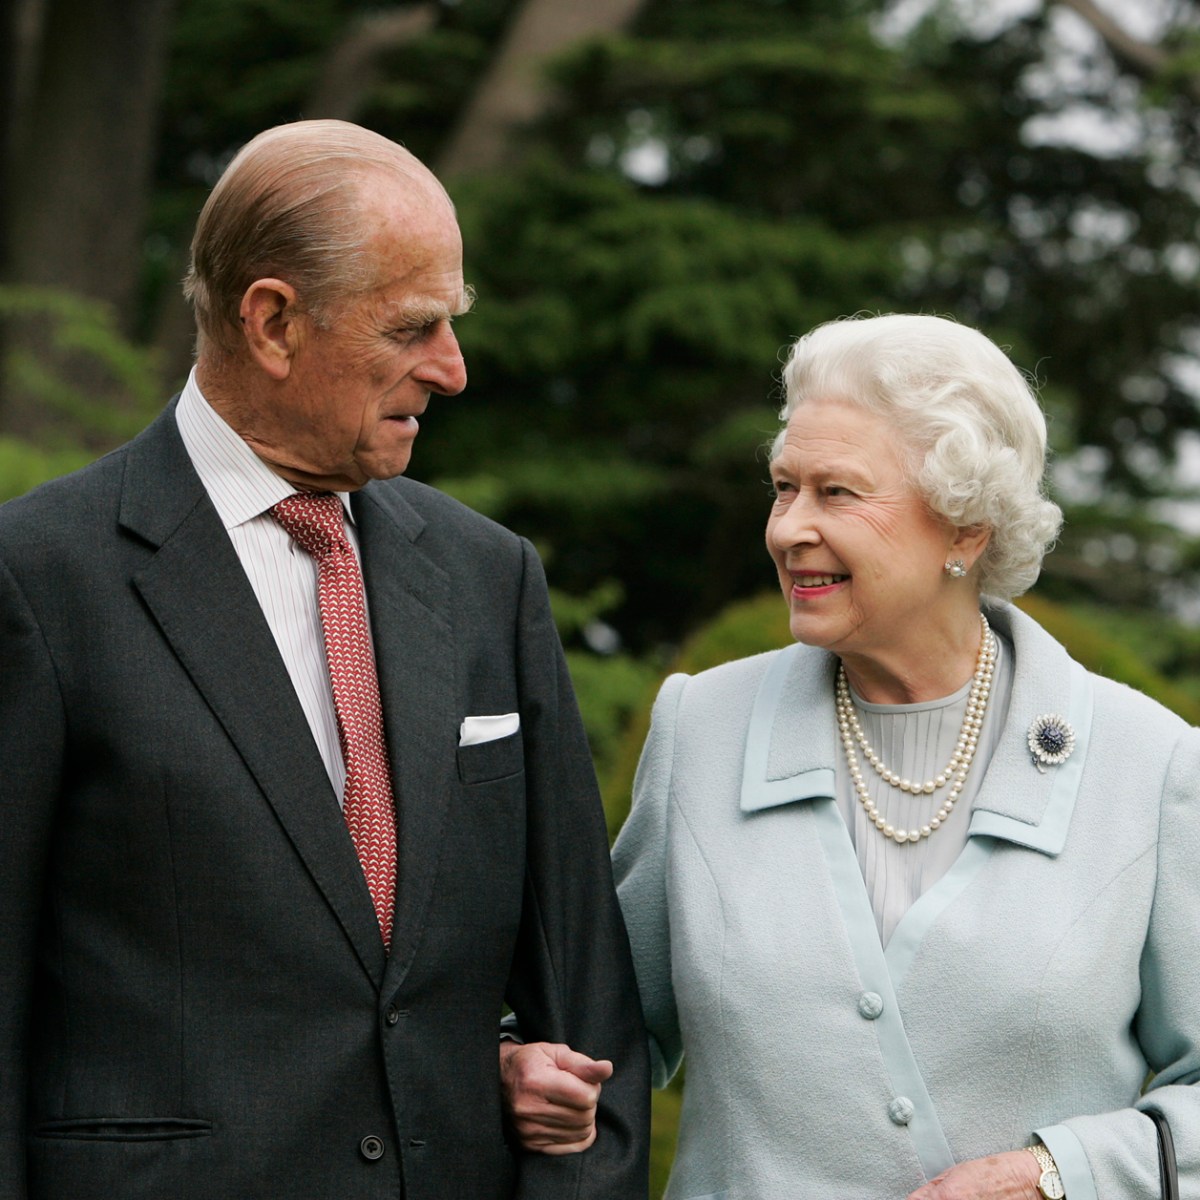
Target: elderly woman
[(919, 898)]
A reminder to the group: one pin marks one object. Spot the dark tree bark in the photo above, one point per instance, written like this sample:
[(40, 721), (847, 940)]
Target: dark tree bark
[(352, 68), (79, 165), (84, 158), (513, 91)]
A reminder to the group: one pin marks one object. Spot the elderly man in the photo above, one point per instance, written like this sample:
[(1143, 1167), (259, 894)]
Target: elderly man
[(294, 791)]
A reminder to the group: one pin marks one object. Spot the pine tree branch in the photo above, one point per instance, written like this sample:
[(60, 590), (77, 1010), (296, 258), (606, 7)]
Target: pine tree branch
[(1143, 59)]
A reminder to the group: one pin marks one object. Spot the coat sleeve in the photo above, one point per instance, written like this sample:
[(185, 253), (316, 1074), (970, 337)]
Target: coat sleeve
[(572, 977), (639, 860), (1115, 1154), (32, 740)]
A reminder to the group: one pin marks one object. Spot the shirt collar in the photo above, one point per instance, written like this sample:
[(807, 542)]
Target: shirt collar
[(240, 485)]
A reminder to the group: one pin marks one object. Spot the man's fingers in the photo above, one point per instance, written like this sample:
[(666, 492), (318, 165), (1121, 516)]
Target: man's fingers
[(561, 1089), (550, 1146), (590, 1070), (551, 1093), (543, 1074)]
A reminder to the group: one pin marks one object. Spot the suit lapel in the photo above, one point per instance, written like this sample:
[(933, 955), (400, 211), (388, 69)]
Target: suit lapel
[(198, 593), (409, 599)]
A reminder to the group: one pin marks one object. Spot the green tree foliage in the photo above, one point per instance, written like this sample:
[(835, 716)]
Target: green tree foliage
[(79, 424), (710, 185), (732, 173), (636, 327)]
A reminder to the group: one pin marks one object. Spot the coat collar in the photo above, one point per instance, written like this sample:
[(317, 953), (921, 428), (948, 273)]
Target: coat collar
[(792, 744)]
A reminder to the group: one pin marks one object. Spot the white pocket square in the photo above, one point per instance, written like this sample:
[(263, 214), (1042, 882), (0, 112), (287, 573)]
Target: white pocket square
[(474, 730)]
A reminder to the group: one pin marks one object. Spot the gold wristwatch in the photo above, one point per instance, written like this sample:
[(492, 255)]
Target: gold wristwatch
[(1050, 1184)]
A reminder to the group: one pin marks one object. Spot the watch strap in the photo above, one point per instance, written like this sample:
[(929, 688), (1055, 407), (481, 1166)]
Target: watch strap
[(1051, 1188)]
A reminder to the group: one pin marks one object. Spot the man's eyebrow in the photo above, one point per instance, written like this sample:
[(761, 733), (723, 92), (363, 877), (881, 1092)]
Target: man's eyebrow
[(419, 311), (466, 301)]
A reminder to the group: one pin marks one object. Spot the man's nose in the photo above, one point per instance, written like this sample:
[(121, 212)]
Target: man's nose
[(444, 370)]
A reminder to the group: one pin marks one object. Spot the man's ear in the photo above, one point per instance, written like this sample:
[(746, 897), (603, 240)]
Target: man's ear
[(269, 324), (970, 541)]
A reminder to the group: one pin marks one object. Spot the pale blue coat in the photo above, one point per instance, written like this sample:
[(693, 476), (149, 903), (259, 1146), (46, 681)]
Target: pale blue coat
[(1033, 988)]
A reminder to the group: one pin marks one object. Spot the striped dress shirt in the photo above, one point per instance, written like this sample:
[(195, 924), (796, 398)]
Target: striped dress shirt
[(284, 578)]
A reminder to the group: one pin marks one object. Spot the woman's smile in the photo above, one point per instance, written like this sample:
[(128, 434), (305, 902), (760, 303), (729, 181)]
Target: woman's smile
[(809, 585)]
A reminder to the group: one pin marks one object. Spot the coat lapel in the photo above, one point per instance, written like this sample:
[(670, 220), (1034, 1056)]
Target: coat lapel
[(1016, 801), (198, 593), (409, 600), (792, 738)]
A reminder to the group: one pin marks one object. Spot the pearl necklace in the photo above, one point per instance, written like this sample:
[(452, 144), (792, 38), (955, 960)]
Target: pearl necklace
[(955, 771)]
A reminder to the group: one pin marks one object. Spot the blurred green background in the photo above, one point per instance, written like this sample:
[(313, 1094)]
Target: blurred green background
[(657, 196)]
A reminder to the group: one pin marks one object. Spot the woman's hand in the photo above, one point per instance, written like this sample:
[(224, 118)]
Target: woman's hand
[(1013, 1175), (550, 1094)]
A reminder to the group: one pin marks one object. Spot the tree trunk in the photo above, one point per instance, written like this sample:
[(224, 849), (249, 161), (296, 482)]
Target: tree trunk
[(84, 162), (352, 68), (20, 35), (80, 169), (513, 91)]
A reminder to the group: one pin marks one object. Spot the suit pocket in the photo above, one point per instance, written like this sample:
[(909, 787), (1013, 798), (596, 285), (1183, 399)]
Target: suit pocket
[(123, 1129), (497, 759)]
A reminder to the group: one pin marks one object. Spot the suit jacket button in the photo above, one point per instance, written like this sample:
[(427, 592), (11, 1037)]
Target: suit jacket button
[(371, 1147), (392, 1015)]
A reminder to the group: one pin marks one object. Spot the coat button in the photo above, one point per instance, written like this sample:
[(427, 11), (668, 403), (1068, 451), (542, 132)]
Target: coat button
[(870, 1005), (371, 1147), (392, 1015), (901, 1110)]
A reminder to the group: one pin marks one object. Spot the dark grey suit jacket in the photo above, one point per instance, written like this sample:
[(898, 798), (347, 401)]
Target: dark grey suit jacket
[(194, 998)]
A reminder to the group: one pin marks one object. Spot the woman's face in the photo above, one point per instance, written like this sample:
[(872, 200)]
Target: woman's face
[(860, 557)]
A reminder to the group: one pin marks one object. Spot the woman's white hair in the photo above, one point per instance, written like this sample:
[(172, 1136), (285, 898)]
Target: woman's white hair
[(973, 428)]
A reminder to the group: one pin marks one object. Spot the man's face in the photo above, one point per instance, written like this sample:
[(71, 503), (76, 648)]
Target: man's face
[(348, 411)]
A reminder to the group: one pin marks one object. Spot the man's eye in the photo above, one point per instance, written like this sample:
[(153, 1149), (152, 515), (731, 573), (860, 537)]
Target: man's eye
[(414, 333)]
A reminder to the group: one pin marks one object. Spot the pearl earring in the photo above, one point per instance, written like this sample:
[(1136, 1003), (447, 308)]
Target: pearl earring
[(956, 568)]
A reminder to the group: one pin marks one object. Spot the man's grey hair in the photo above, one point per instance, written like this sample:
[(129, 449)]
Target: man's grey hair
[(289, 207)]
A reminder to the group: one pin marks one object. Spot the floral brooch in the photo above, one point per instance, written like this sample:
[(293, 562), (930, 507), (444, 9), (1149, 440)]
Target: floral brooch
[(1051, 741)]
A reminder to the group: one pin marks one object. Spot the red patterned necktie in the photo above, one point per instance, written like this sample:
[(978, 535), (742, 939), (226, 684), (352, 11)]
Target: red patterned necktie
[(315, 520)]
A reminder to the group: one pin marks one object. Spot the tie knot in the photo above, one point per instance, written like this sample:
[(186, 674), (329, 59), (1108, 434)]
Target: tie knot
[(314, 519)]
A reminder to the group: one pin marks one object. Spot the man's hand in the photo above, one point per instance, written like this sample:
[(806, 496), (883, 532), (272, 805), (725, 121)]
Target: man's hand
[(550, 1094), (1009, 1176)]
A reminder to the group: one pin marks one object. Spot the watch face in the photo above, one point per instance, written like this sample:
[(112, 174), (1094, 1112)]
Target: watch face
[(1051, 1185)]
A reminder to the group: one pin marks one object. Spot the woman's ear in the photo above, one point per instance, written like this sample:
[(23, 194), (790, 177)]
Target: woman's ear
[(970, 541), (268, 315)]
